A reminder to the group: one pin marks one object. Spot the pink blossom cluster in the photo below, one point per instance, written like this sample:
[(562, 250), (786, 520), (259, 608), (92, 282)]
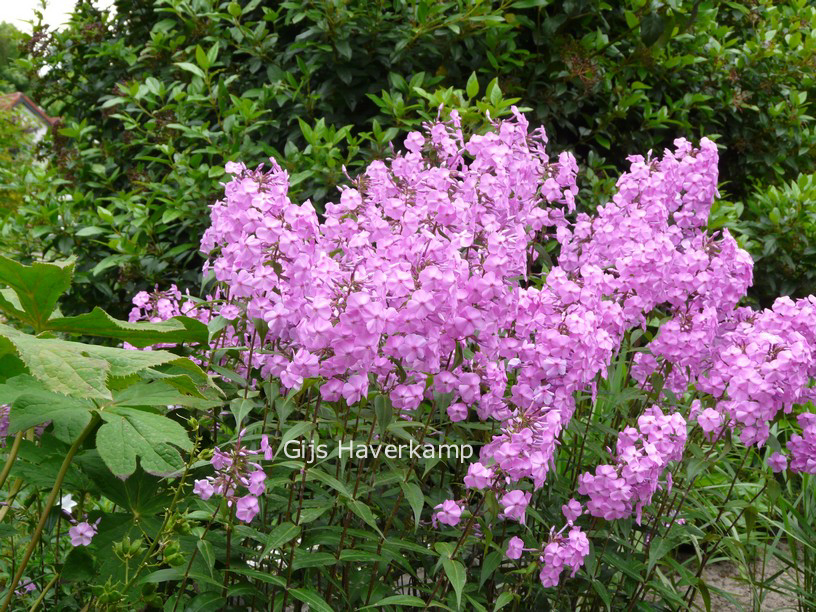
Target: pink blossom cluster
[(641, 458), (803, 448), (562, 553), (235, 470), (417, 282), (755, 365)]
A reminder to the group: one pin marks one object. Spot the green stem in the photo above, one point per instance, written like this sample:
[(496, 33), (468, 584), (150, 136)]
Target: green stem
[(15, 448), (47, 588), (35, 538)]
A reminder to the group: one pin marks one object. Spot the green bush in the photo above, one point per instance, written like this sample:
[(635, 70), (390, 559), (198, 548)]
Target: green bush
[(155, 98), (778, 227)]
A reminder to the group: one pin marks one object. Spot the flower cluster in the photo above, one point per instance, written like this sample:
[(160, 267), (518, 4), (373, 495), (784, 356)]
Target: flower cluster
[(563, 553), (235, 470), (641, 458)]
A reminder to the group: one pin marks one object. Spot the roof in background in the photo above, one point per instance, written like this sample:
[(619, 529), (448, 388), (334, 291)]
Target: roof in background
[(13, 100)]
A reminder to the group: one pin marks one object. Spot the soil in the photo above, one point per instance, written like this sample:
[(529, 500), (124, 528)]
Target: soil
[(732, 593)]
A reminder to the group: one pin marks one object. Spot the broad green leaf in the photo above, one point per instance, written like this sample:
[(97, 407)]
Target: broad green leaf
[(207, 553), (491, 562), (100, 323), (129, 433), (191, 68), (472, 87), (158, 393), (457, 575), (315, 601), (415, 497), (76, 369), (206, 602), (258, 575), (70, 415), (38, 287)]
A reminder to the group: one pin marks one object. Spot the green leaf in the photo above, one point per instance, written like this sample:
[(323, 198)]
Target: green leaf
[(192, 68), (296, 431), (415, 497), (202, 58), (305, 558), (38, 287), (315, 601), (208, 554), (398, 600), (206, 602), (491, 562), (159, 393), (279, 536), (129, 433), (472, 87), (651, 27), (502, 600), (457, 575), (76, 369), (70, 415), (364, 512), (100, 323)]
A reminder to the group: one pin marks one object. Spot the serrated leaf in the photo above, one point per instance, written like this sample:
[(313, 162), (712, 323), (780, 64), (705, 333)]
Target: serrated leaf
[(129, 433), (76, 369), (70, 415), (38, 287)]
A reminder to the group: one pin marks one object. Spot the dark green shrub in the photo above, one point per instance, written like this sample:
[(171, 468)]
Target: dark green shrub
[(158, 96), (778, 227)]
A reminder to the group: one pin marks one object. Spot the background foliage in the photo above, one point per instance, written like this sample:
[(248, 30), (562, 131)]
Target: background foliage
[(156, 97)]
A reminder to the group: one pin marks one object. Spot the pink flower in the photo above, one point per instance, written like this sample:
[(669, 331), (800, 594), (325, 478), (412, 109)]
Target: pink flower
[(448, 512), (709, 421), (246, 508), (515, 548), (268, 451), (572, 510), (256, 484), (778, 462), (82, 533), (203, 488), (457, 412), (478, 476), (515, 505)]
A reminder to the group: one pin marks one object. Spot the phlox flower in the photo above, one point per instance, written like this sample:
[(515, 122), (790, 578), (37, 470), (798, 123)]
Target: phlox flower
[(448, 512), (514, 548), (82, 533), (246, 508), (515, 505)]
